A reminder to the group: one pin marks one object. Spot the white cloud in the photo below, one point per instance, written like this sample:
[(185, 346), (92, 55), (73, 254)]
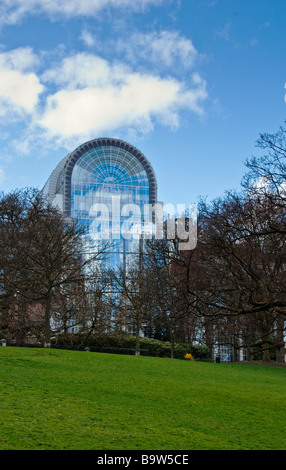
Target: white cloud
[(224, 32), (19, 90), (97, 97), (12, 11), (170, 45), (72, 112), (166, 47), (22, 58), (86, 95), (87, 38), (85, 70), (19, 87)]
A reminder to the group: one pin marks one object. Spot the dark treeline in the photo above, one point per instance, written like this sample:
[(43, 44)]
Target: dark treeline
[(229, 290)]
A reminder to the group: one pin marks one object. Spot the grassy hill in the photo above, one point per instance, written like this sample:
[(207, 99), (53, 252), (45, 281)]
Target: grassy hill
[(57, 399)]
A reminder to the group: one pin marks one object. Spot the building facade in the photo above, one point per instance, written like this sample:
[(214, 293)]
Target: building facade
[(97, 186)]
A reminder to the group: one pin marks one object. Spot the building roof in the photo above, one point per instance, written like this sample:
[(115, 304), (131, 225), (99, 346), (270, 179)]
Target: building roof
[(61, 176)]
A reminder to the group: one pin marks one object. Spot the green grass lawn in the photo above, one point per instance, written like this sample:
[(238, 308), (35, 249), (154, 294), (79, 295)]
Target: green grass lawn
[(63, 400)]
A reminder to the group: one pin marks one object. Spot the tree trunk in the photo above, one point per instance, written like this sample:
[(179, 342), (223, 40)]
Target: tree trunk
[(137, 345), (172, 345), (235, 354), (47, 343), (266, 353), (280, 353)]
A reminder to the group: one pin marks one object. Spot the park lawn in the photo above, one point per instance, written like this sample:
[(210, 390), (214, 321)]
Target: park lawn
[(64, 400)]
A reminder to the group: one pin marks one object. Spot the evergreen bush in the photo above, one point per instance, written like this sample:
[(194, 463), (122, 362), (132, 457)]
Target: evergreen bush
[(122, 343)]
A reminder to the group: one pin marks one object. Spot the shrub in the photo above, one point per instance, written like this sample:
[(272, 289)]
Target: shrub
[(120, 342), (110, 350)]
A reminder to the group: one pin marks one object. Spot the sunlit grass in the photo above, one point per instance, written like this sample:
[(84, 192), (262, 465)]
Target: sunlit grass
[(55, 399)]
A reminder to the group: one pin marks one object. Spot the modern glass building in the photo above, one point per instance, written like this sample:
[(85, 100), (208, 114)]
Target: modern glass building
[(104, 186)]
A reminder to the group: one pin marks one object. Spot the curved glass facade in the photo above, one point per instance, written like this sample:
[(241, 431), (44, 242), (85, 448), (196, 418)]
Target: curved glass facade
[(104, 185), (105, 182)]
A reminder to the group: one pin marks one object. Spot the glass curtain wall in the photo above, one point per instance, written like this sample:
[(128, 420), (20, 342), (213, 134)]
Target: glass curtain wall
[(105, 180)]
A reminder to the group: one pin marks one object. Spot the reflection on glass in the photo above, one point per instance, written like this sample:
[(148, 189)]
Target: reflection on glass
[(109, 178)]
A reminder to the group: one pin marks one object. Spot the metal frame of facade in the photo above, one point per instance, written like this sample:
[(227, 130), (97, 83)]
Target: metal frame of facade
[(63, 172)]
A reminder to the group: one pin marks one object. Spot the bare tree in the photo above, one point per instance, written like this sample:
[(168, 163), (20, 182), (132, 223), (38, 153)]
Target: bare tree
[(169, 287), (131, 298), (243, 269), (43, 254), (265, 180)]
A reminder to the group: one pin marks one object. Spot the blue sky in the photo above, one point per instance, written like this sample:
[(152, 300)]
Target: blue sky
[(190, 83)]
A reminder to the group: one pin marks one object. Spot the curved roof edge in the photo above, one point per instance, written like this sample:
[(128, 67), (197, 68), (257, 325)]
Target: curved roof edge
[(67, 163), (50, 188)]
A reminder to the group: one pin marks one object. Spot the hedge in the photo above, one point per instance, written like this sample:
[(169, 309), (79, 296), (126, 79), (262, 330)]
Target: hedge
[(125, 344)]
